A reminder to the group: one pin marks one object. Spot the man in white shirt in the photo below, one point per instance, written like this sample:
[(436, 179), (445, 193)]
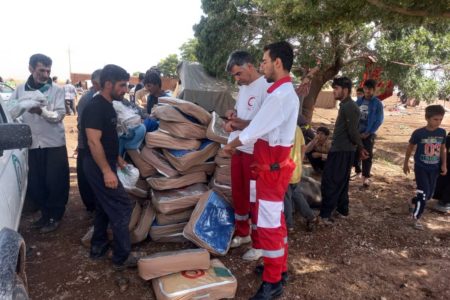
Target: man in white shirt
[(252, 92), (70, 95), (272, 132)]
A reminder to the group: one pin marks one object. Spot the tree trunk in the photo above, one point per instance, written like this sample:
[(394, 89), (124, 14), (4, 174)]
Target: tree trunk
[(317, 83)]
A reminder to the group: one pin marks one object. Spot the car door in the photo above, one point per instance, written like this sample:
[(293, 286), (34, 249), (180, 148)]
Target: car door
[(13, 180)]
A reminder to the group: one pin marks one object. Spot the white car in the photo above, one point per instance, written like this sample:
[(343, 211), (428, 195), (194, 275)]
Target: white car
[(15, 138), (5, 91)]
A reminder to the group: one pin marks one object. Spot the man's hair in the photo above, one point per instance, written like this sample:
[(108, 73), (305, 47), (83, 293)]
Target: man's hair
[(40, 58), (370, 84), (434, 110), (239, 58), (141, 76), (95, 76), (360, 90), (324, 130), (113, 73), (343, 82), (54, 78), (152, 77), (282, 50)]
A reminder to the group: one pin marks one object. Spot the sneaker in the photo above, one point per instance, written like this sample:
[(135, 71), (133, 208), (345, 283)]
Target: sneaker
[(259, 270), (39, 223), (311, 224), (268, 291), (337, 215), (355, 176), (325, 222), (366, 181), (240, 240), (51, 225), (417, 225), (98, 252), (441, 207), (252, 254)]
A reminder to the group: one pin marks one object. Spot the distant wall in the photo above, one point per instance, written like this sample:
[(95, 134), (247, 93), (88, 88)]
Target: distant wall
[(167, 83)]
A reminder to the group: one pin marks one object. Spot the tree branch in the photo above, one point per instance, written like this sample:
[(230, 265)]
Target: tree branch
[(406, 11)]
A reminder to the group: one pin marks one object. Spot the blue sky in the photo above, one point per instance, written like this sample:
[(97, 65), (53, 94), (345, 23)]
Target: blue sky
[(134, 34)]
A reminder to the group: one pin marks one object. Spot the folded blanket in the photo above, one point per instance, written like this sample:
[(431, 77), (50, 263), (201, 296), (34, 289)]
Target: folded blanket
[(176, 200)]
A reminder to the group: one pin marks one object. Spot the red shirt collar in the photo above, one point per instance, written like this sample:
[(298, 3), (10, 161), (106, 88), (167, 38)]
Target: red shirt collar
[(278, 83)]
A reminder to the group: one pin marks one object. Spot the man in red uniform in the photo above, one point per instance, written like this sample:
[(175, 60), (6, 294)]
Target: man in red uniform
[(272, 131), (252, 92)]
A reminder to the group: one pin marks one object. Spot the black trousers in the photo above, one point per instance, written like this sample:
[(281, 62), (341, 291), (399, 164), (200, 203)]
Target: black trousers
[(112, 206), (442, 191), (335, 179), (317, 163), (86, 192), (70, 105), (48, 180), (368, 143), (426, 183)]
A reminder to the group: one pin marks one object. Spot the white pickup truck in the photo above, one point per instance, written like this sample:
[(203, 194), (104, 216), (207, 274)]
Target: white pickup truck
[(15, 138)]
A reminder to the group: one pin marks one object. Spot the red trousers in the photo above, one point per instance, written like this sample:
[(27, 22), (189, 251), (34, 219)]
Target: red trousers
[(243, 189), (271, 186)]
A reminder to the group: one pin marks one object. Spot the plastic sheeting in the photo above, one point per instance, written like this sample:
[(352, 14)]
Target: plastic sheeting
[(164, 183), (208, 92), (182, 160), (158, 139), (215, 283), (140, 231), (216, 131), (172, 233), (169, 262), (222, 189), (310, 188), (188, 108), (208, 167), (183, 130), (158, 161), (145, 169), (212, 224), (176, 200), (180, 217)]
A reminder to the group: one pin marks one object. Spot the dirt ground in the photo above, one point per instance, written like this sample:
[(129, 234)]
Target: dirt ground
[(373, 254)]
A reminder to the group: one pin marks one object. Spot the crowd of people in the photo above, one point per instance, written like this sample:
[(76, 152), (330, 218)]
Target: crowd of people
[(266, 145)]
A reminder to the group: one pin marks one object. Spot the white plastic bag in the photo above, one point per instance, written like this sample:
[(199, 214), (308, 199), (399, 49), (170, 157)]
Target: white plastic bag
[(29, 99), (129, 175), (126, 117)]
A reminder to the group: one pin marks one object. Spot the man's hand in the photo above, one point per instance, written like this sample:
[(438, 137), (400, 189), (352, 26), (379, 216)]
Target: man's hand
[(230, 114), (121, 162), (406, 168), (111, 180), (229, 150), (365, 135), (443, 170), (316, 155), (35, 110), (227, 126), (363, 154)]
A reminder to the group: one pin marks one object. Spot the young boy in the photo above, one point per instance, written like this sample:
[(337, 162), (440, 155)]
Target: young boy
[(430, 158), (317, 149)]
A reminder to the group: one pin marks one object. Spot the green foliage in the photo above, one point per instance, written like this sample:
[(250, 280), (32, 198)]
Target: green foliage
[(136, 74), (407, 37), (188, 50), (168, 65)]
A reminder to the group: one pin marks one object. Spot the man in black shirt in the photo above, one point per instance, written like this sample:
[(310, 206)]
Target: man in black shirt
[(98, 126), (346, 139), (152, 82)]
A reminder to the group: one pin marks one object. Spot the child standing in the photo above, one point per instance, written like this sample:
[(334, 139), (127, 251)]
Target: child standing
[(429, 159)]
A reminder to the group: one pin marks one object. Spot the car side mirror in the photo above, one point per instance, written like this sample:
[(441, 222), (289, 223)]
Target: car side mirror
[(14, 136)]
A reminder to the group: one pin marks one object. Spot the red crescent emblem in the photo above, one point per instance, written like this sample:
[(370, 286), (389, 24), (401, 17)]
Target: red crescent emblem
[(193, 274), (251, 100)]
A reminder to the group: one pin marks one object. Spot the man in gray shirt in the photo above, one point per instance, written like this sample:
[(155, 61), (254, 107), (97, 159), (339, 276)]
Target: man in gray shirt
[(48, 176), (346, 139)]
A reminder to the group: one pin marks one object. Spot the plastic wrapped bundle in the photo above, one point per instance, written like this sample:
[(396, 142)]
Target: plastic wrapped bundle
[(222, 189), (145, 169), (223, 175), (158, 139), (137, 192), (183, 160), (141, 230), (212, 224), (216, 131), (222, 161), (159, 162), (164, 183), (172, 233), (180, 217), (215, 283), (183, 130), (176, 200), (208, 167), (188, 108), (127, 118), (310, 188), (169, 262)]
